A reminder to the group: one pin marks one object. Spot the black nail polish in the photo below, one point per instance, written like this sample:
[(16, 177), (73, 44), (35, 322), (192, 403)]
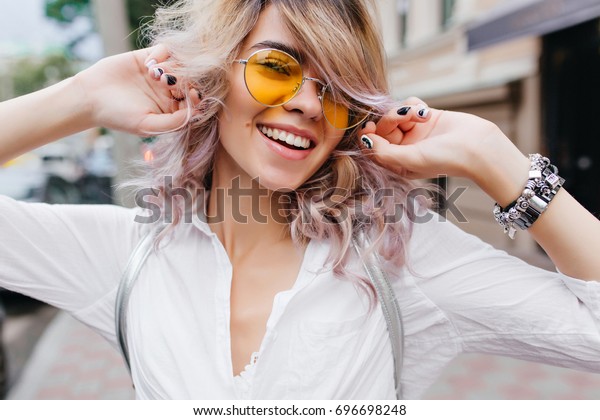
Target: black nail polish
[(171, 80), (367, 142), (404, 110), (423, 112), (158, 72)]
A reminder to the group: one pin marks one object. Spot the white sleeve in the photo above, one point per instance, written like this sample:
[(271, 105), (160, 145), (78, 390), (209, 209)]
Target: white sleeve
[(70, 256), (498, 304)]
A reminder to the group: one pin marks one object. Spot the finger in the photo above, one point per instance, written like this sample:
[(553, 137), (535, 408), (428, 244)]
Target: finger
[(191, 100), (416, 115), (368, 142), (164, 72), (156, 72), (195, 97), (169, 65), (365, 143), (395, 136), (171, 82), (157, 54), (405, 117), (163, 97), (390, 121), (163, 123), (404, 159), (176, 96), (367, 127)]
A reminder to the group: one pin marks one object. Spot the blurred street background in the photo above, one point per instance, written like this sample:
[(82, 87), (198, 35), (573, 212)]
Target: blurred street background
[(530, 66)]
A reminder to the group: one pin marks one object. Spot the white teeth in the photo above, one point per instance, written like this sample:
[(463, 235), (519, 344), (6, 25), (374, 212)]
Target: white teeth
[(282, 135)]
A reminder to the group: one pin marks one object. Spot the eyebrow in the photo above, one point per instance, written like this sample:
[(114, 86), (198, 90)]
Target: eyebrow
[(294, 52)]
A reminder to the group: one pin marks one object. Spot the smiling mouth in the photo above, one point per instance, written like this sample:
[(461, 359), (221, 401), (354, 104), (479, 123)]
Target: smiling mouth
[(289, 140)]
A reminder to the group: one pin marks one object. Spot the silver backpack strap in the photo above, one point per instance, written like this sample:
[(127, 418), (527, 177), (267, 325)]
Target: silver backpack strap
[(389, 306), (132, 270)]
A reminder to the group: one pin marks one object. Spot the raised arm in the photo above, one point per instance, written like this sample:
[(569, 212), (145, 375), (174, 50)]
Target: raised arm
[(425, 143), (119, 92)]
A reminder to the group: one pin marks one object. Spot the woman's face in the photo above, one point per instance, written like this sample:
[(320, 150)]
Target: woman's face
[(245, 149)]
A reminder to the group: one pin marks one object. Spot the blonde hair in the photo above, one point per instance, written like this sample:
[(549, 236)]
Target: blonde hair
[(347, 192)]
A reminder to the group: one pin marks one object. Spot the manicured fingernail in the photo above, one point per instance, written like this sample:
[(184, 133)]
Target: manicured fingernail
[(404, 110), (151, 63), (158, 72), (171, 80), (423, 112), (367, 142)]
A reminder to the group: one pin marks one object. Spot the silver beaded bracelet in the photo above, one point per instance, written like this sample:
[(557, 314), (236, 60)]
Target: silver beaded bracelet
[(542, 185)]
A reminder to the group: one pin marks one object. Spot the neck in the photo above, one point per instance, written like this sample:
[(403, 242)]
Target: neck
[(244, 215)]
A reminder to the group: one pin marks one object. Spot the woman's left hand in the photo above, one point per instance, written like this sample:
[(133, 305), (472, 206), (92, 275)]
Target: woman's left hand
[(428, 143)]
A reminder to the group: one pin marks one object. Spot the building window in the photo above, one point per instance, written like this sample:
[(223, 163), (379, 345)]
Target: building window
[(402, 7), (447, 13)]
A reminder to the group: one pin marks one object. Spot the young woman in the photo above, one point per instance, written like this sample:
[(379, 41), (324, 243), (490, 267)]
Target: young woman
[(284, 134)]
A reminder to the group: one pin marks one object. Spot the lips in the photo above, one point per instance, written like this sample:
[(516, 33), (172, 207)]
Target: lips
[(287, 138), (287, 148)]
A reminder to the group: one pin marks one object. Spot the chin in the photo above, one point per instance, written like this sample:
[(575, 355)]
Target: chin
[(279, 183), (279, 186)]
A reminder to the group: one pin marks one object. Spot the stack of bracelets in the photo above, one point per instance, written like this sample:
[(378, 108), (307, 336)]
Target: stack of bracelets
[(543, 184)]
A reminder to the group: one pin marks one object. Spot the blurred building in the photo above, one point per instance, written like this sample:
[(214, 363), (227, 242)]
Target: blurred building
[(530, 66)]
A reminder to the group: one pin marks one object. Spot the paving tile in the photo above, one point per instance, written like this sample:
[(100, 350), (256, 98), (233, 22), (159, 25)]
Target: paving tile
[(70, 361), (475, 376)]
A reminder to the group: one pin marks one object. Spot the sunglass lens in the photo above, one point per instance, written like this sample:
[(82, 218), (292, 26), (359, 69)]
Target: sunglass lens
[(273, 77), (339, 115)]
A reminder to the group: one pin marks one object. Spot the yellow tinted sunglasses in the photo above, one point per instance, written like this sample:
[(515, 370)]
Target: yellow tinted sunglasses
[(273, 78)]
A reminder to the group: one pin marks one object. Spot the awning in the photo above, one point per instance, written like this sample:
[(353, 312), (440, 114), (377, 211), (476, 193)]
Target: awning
[(531, 17)]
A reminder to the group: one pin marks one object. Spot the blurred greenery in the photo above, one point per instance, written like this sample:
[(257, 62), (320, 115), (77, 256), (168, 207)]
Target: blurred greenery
[(29, 74), (33, 73), (139, 12), (65, 11)]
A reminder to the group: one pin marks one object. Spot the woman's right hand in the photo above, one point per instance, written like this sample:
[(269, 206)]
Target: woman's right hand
[(122, 92)]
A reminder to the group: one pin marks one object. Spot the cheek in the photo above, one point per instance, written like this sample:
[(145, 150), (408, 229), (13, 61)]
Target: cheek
[(333, 138), (237, 115), (238, 97)]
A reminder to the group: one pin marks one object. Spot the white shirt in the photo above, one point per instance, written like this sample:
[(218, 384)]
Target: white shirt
[(457, 295)]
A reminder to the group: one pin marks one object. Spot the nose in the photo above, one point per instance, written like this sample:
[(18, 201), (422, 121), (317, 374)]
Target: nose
[(307, 101)]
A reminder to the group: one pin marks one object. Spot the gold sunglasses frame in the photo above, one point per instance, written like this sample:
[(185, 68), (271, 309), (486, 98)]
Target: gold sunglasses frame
[(297, 89)]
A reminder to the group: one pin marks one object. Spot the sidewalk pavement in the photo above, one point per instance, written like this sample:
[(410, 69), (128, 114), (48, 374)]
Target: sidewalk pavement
[(485, 377), (72, 362)]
